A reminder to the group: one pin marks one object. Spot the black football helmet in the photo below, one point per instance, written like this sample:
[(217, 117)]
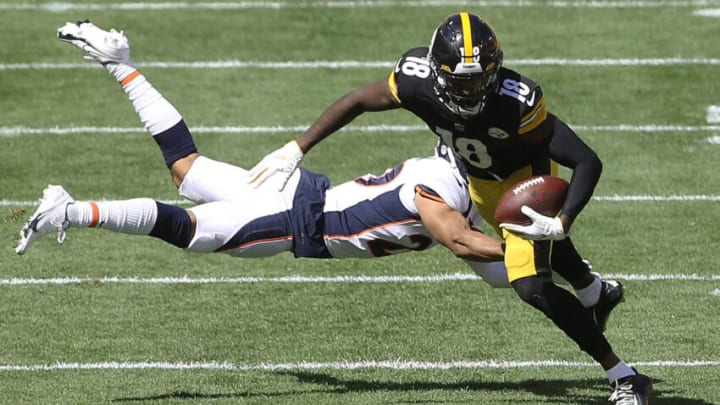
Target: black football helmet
[(465, 56)]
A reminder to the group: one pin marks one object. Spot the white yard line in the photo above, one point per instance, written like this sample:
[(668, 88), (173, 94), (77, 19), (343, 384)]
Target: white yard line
[(343, 365), (317, 279), (607, 198), (350, 64), (6, 132), (713, 12), (349, 4), (713, 114)]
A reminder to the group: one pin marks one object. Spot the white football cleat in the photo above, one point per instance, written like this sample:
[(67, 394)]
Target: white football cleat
[(50, 216), (103, 46)]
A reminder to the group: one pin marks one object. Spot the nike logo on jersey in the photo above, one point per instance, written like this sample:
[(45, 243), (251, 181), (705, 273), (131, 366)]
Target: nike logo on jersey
[(531, 101), (518, 90)]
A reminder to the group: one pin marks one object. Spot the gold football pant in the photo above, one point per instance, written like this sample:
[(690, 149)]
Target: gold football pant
[(523, 258)]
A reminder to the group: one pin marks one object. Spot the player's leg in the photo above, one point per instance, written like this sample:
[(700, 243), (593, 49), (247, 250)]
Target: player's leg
[(112, 49), (565, 310), (529, 272), (158, 115), (600, 295), (257, 226), (493, 273), (58, 211)]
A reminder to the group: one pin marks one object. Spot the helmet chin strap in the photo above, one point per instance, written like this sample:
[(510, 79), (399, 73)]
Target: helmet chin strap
[(463, 112), (467, 113), (456, 109)]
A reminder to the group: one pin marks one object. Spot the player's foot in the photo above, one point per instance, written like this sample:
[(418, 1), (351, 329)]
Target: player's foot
[(611, 295), (49, 217), (103, 46), (632, 390)]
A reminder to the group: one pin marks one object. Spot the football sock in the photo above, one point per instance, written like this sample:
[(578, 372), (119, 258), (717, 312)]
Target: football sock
[(619, 371), (156, 113), (564, 309), (136, 216), (590, 295), (175, 143), (120, 70), (173, 225), (159, 117), (567, 262)]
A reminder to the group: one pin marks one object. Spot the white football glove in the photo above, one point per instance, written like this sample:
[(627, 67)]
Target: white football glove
[(541, 228), (281, 163)]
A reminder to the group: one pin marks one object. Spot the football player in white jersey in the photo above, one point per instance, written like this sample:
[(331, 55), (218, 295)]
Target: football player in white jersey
[(414, 206)]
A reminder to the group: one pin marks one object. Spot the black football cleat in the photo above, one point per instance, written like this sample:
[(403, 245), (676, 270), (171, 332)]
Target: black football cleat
[(632, 390), (611, 295)]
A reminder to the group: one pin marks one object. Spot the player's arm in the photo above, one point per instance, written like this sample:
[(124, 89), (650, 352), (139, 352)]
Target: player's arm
[(567, 149), (452, 230), (372, 97), (375, 96)]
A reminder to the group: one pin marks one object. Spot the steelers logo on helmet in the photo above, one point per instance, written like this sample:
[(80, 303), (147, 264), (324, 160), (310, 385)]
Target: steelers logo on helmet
[(465, 57)]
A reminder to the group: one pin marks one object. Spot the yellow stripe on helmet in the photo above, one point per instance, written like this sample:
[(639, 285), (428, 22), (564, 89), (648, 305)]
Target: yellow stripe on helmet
[(467, 38)]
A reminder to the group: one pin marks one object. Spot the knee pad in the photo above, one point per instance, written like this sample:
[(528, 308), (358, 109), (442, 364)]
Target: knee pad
[(533, 290)]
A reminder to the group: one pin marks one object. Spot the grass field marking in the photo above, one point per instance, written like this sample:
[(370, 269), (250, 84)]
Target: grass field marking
[(318, 279), (141, 6), (344, 365), (608, 198), (350, 64), (8, 132), (243, 280), (657, 198), (716, 292), (711, 12), (713, 114)]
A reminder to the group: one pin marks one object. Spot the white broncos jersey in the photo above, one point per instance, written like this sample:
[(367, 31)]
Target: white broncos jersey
[(376, 215)]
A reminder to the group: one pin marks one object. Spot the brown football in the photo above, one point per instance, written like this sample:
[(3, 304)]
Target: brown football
[(544, 194)]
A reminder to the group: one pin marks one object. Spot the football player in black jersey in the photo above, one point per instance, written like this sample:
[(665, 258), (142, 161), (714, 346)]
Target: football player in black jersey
[(496, 122)]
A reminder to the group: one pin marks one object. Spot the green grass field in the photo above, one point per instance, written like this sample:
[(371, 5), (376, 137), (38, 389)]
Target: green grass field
[(108, 318)]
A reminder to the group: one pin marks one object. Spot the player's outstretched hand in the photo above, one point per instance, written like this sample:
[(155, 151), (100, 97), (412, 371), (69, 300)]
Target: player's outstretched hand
[(280, 163), (541, 228)]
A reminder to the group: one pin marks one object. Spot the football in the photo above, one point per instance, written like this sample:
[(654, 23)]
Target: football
[(544, 194)]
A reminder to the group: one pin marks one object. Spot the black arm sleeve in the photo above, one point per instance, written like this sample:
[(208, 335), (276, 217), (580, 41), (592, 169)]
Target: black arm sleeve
[(567, 149)]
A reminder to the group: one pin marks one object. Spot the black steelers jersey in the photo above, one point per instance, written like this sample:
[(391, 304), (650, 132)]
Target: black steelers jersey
[(491, 143)]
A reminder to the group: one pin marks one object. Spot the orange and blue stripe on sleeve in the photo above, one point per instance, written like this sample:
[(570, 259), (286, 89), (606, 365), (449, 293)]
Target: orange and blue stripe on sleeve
[(427, 192)]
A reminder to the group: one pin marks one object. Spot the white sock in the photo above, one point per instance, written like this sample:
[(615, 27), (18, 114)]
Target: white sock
[(156, 113), (120, 70), (136, 216), (619, 371), (590, 295)]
